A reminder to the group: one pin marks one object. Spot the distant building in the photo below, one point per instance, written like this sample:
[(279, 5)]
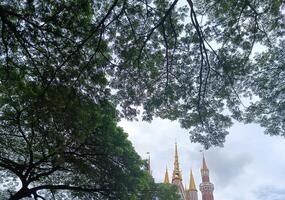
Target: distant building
[(191, 193)]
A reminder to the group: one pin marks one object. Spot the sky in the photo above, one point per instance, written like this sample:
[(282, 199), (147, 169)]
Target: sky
[(250, 166)]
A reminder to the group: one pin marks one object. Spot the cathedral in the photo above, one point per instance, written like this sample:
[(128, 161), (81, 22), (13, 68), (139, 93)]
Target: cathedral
[(191, 193)]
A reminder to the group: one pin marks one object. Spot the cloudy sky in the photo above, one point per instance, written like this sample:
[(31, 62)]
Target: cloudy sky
[(250, 166)]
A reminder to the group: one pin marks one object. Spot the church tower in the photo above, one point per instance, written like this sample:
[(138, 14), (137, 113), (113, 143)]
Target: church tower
[(206, 187), (166, 177), (176, 176), (193, 193)]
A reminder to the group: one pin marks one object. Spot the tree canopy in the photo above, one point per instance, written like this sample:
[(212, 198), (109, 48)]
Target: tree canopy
[(167, 192), (189, 63), (65, 66), (63, 144)]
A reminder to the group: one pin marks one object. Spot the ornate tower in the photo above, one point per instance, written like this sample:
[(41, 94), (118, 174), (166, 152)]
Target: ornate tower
[(206, 187), (166, 177), (176, 176), (193, 193)]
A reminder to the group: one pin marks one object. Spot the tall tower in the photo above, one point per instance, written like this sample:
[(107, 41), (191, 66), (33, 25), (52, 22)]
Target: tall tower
[(193, 193), (166, 177), (206, 187), (176, 176)]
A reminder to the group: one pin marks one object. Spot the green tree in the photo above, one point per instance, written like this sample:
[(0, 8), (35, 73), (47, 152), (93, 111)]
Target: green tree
[(65, 64), (167, 192), (62, 144), (167, 58), (267, 83)]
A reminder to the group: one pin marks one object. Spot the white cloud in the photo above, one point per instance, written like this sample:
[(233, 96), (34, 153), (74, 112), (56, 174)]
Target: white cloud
[(270, 193), (249, 162)]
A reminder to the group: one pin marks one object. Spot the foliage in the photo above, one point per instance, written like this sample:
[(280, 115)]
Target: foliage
[(267, 82), (64, 65), (167, 192), (63, 141), (148, 53)]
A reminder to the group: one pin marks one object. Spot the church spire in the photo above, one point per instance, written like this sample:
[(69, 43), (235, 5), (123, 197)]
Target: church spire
[(177, 177), (176, 171), (206, 187), (192, 192), (166, 177), (204, 164), (205, 170), (192, 186)]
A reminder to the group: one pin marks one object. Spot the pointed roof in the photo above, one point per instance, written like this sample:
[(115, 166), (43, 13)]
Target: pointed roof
[(204, 164), (192, 185), (166, 177), (176, 170)]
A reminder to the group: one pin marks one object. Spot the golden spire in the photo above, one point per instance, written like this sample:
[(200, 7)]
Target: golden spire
[(166, 177), (192, 186), (176, 170), (204, 165)]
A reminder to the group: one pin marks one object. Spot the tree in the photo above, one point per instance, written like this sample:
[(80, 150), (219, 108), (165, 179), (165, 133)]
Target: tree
[(153, 54), (59, 137), (64, 64), (63, 144), (267, 83), (167, 192)]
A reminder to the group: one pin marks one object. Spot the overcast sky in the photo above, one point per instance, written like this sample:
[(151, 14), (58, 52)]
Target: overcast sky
[(250, 166)]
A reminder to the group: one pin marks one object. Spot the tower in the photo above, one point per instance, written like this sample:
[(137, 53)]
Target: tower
[(193, 193), (206, 187), (166, 177), (176, 176), (190, 193)]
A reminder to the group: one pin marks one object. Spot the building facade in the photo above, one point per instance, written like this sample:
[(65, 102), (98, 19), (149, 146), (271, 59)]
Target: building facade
[(191, 193)]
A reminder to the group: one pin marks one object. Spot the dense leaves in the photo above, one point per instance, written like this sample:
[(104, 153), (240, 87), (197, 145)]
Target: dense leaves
[(171, 60), (65, 65), (167, 192), (63, 141), (268, 86)]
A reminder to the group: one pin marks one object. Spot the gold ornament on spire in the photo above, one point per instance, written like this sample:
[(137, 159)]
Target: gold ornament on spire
[(176, 171), (192, 185), (166, 177)]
